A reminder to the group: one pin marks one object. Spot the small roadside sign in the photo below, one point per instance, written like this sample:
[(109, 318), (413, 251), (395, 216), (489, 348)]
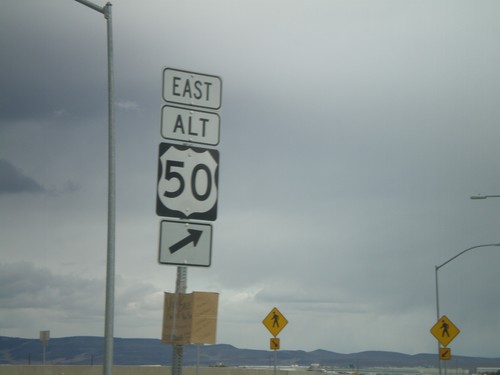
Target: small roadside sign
[(274, 343), (192, 89), (185, 243), (189, 125), (444, 354), (444, 330), (275, 321)]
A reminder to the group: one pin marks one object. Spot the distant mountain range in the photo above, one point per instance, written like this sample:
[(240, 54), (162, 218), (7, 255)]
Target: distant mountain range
[(86, 350)]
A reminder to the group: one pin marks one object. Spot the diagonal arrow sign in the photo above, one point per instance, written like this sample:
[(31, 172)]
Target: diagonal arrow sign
[(193, 236), (185, 243)]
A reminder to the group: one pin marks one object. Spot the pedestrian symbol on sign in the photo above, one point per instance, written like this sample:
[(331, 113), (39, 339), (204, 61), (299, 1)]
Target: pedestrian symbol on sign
[(276, 319), (444, 327)]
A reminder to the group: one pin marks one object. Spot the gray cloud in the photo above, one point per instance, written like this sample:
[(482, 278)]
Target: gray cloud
[(66, 298), (12, 180), (352, 134)]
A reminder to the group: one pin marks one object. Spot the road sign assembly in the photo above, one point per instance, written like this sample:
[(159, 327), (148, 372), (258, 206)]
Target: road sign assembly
[(187, 189), (188, 176)]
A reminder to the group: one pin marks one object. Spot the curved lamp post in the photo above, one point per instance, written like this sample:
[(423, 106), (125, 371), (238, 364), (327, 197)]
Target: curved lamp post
[(448, 261), (445, 263)]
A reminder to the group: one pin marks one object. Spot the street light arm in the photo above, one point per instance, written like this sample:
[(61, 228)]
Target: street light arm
[(464, 251), (479, 196), (93, 6)]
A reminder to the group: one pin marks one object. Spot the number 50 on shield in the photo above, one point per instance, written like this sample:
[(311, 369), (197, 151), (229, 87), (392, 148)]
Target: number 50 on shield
[(187, 182)]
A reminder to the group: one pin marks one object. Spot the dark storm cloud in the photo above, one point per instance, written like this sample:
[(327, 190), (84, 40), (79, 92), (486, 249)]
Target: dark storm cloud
[(352, 134), (12, 180), (35, 286), (39, 295), (53, 63), (38, 287)]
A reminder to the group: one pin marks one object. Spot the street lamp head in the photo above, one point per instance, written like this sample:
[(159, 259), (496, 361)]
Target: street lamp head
[(479, 196)]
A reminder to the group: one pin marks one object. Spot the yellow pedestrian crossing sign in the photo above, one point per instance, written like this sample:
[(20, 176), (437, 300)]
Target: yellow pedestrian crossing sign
[(275, 322), (444, 330)]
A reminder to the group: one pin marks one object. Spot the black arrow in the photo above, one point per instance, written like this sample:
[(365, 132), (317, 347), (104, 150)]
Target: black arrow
[(193, 236)]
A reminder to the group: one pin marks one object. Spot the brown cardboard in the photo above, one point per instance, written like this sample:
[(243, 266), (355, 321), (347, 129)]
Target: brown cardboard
[(195, 321)]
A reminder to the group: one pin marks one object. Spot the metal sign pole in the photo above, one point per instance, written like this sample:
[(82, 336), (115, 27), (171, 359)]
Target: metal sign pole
[(44, 347), (178, 350), (198, 359), (110, 270), (44, 338)]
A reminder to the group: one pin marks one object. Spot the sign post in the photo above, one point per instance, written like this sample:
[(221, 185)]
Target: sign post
[(187, 176), (275, 322), (444, 331), (44, 338)]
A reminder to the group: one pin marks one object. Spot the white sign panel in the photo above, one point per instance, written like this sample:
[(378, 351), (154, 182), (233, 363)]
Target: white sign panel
[(189, 125), (187, 182), (193, 89), (184, 243)]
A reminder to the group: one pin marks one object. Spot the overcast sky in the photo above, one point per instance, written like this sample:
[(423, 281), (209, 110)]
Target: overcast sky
[(353, 133)]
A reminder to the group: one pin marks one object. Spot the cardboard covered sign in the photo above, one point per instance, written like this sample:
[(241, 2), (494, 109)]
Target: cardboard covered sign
[(190, 318)]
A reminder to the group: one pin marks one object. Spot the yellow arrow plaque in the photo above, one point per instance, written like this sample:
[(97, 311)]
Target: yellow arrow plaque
[(444, 354), (274, 343)]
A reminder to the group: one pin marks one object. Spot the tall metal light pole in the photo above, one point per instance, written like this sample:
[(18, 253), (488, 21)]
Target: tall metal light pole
[(110, 260), (437, 285)]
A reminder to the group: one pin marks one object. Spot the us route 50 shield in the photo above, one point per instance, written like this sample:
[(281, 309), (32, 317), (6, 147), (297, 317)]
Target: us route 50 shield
[(187, 182)]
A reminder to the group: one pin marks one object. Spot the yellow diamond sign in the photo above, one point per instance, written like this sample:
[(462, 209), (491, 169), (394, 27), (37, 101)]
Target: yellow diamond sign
[(444, 330), (275, 322)]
